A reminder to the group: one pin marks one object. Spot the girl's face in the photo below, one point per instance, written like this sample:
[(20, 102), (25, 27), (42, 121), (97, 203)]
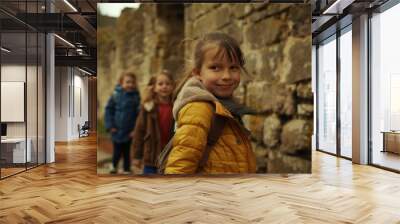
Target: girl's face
[(163, 86), (128, 83), (220, 76)]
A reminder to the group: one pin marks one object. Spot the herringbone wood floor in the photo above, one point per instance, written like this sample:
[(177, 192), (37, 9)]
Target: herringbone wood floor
[(69, 191)]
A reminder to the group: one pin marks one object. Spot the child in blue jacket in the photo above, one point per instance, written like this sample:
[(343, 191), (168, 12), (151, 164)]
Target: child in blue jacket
[(120, 118)]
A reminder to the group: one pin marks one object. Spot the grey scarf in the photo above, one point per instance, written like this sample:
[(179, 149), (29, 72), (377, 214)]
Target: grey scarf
[(236, 109)]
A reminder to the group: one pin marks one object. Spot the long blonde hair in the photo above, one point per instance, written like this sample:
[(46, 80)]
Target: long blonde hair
[(226, 46)]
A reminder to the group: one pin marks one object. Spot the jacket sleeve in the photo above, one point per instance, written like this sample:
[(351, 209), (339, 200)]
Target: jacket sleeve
[(190, 139), (110, 114), (137, 109), (138, 103), (138, 135)]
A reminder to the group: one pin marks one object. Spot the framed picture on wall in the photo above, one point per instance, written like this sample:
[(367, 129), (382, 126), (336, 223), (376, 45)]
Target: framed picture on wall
[(12, 101)]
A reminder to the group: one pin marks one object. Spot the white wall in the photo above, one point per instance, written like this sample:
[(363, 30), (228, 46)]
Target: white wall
[(61, 103), (80, 110), (71, 94), (13, 73)]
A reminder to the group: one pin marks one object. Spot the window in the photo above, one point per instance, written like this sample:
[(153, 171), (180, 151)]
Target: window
[(334, 106), (385, 88), (327, 95), (22, 68), (346, 92)]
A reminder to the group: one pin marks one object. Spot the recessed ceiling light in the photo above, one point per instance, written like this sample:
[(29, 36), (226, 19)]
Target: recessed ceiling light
[(337, 7), (64, 40), (86, 72), (5, 50), (70, 5)]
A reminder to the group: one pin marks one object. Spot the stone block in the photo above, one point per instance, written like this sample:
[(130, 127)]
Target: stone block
[(296, 136), (265, 97), (296, 64), (241, 10), (188, 13), (272, 131), (304, 90), (281, 163), (222, 16), (300, 13), (201, 9), (268, 10), (269, 62), (300, 17), (253, 63), (255, 124), (277, 8), (234, 30), (258, 16), (305, 109), (259, 5), (264, 33), (213, 21)]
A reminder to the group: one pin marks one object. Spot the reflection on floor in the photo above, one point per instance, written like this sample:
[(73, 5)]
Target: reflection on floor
[(346, 152), (387, 159), (10, 170)]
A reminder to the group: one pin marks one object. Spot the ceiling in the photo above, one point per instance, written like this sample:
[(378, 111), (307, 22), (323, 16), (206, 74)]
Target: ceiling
[(76, 24), (331, 15)]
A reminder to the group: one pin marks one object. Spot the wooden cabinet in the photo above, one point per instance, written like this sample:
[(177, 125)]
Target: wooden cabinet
[(391, 142)]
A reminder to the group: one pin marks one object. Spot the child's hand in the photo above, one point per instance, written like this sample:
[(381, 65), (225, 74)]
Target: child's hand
[(149, 87), (131, 134), (113, 130)]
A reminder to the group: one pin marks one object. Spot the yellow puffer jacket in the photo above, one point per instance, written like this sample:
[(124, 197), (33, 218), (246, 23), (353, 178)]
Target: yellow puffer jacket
[(193, 111)]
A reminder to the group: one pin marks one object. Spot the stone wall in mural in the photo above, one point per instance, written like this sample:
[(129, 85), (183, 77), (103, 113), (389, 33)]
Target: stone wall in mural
[(276, 41)]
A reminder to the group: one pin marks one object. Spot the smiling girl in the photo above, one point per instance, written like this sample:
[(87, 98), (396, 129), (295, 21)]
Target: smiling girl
[(154, 125), (205, 91)]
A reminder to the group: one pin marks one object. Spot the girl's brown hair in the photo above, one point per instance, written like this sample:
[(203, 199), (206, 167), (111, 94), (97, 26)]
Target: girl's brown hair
[(227, 46), (149, 94)]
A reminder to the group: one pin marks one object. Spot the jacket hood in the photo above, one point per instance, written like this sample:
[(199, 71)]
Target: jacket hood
[(148, 106), (193, 90), (118, 88)]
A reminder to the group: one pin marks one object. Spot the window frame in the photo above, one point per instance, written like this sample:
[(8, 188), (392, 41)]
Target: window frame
[(346, 26)]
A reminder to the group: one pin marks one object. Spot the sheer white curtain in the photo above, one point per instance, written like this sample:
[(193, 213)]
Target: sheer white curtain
[(327, 96), (346, 94)]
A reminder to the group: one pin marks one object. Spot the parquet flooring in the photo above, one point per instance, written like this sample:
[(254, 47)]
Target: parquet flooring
[(10, 171), (69, 191)]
